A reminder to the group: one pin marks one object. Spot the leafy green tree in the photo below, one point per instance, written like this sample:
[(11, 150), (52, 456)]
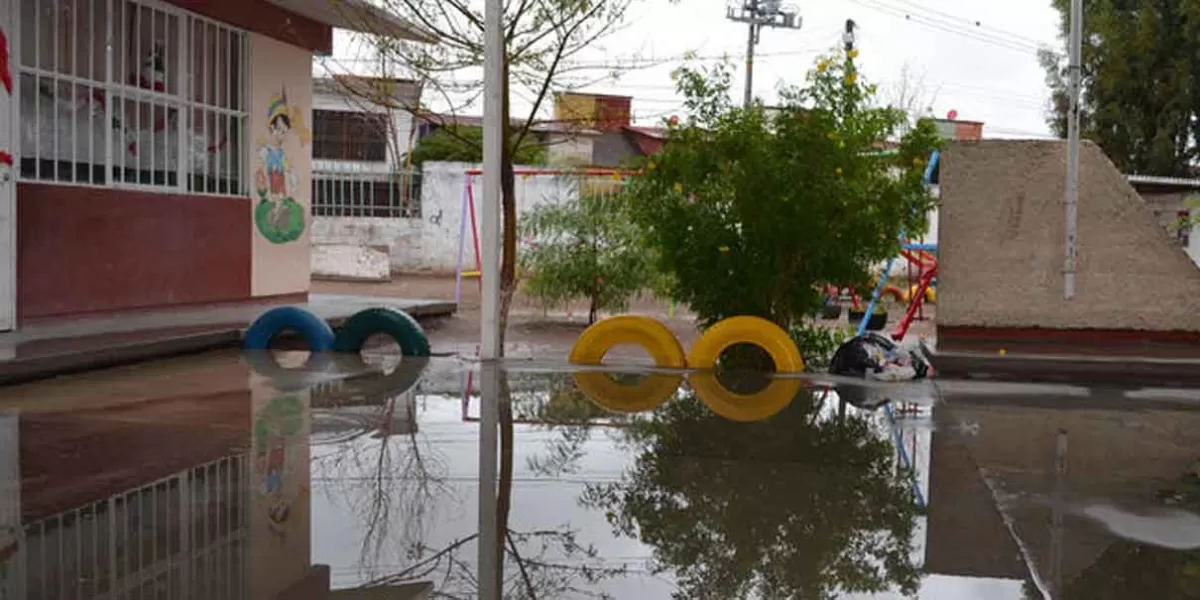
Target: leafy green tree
[(806, 504), (1140, 99), (460, 143), (586, 248), (749, 214)]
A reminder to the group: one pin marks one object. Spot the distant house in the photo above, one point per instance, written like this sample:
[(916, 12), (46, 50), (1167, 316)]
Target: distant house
[(362, 131), (596, 130)]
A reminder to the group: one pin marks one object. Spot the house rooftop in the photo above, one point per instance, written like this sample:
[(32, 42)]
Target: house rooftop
[(391, 92), (593, 95), (659, 133), (546, 126), (357, 15)]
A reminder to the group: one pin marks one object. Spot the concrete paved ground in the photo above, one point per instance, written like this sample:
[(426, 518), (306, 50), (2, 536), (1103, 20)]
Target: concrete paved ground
[(43, 350)]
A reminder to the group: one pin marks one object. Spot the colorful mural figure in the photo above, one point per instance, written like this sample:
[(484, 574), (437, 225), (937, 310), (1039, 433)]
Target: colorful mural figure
[(276, 427), (278, 216)]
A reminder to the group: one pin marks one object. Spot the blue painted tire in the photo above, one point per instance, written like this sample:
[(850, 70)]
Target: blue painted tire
[(270, 324), (399, 326)]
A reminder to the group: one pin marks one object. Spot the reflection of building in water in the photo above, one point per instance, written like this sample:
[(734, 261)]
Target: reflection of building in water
[(346, 409), (185, 535), (998, 503), (201, 496)]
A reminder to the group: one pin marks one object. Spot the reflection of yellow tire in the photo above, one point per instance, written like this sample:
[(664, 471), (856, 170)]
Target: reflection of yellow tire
[(744, 408), (930, 294), (651, 335), (746, 330), (647, 394)]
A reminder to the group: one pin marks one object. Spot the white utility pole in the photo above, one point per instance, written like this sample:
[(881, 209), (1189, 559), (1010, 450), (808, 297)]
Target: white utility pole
[(758, 14), (1074, 72), (489, 322), (493, 137)]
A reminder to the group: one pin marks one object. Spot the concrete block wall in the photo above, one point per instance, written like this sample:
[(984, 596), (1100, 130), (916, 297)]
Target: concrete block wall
[(430, 243), (1002, 243)]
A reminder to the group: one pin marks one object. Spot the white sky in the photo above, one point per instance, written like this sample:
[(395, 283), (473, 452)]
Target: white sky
[(974, 56)]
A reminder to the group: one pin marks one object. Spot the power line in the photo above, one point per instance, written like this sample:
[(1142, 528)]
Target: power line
[(945, 16), (950, 27)]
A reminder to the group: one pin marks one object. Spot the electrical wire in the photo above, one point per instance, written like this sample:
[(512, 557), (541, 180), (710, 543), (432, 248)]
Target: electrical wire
[(1015, 45), (948, 17)]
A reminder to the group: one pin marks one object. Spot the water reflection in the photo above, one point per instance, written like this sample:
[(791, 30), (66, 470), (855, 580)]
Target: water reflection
[(721, 487), (805, 505)]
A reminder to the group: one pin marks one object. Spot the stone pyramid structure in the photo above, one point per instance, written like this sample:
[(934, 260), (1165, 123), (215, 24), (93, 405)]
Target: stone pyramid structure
[(1002, 243)]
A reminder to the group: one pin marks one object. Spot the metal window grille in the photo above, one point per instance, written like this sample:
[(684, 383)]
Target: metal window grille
[(131, 93), (342, 135), (183, 536), (350, 194)]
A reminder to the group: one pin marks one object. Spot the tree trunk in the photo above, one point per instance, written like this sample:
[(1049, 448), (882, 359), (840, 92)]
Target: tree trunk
[(504, 492), (508, 264)]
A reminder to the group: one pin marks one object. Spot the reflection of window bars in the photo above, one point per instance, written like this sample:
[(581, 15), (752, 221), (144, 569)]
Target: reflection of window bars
[(173, 85), (350, 194), (183, 536)]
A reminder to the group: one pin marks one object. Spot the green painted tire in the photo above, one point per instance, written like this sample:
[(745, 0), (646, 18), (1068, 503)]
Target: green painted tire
[(365, 323)]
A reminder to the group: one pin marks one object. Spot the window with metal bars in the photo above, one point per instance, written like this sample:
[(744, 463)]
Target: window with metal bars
[(359, 195), (343, 135), (165, 105)]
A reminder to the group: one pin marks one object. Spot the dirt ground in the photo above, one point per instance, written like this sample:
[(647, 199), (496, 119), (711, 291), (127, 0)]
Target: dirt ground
[(533, 332)]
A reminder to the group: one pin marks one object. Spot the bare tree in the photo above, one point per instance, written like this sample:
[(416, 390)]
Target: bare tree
[(545, 563), (911, 94), (398, 480), (542, 40)]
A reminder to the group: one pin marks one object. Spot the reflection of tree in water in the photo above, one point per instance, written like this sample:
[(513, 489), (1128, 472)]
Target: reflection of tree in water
[(397, 479), (804, 505), (561, 408), (543, 563)]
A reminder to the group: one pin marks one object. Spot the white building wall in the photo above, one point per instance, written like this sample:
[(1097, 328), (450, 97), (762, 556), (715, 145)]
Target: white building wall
[(431, 242)]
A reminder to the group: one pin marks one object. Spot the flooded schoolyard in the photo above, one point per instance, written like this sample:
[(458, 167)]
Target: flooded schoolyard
[(231, 475)]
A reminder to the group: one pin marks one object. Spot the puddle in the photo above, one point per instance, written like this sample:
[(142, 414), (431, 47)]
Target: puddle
[(239, 476)]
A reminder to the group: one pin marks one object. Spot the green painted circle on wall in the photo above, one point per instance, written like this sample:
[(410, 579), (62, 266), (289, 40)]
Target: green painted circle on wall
[(280, 222)]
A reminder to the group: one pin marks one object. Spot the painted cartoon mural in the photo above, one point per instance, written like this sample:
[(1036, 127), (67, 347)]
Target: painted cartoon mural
[(278, 216), (276, 429)]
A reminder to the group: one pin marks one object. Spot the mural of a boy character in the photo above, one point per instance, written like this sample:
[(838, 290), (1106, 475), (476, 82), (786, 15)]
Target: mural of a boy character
[(276, 430), (278, 216)]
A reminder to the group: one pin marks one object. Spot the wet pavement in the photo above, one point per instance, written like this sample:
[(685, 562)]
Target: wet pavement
[(73, 345), (286, 476)]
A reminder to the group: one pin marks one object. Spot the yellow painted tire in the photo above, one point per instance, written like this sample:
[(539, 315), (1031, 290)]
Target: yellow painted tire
[(930, 294), (651, 335), (746, 330), (647, 394), (744, 408), (648, 333)]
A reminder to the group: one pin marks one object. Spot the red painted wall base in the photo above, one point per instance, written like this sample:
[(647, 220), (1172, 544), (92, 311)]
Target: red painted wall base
[(84, 250), (1092, 342)]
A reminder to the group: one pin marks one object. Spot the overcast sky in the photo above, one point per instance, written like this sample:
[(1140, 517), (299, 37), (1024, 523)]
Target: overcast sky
[(977, 57)]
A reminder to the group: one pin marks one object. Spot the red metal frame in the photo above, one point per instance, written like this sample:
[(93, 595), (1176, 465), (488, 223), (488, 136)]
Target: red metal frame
[(926, 264)]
